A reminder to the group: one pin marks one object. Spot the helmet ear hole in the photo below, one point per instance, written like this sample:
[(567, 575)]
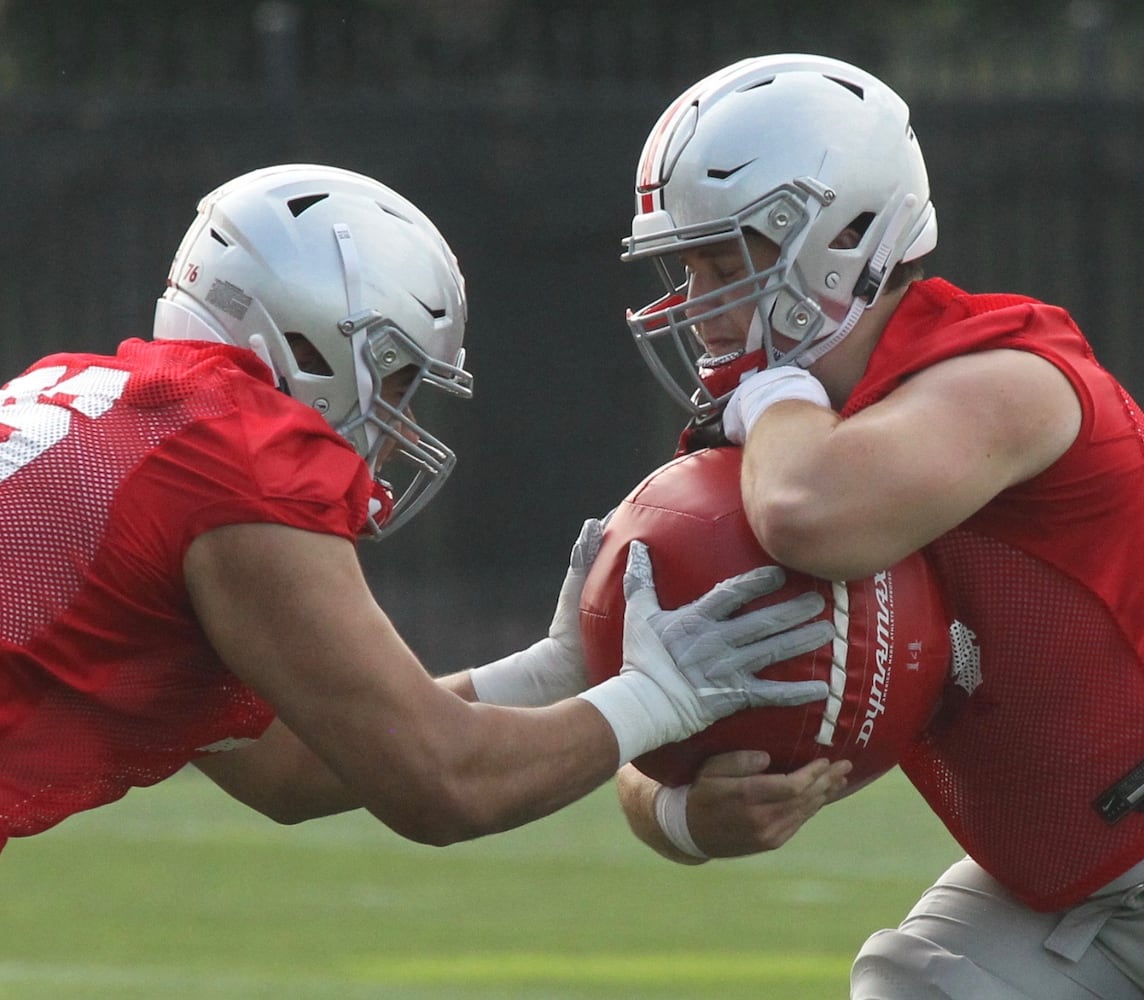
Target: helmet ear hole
[(852, 234), (307, 357), (861, 223)]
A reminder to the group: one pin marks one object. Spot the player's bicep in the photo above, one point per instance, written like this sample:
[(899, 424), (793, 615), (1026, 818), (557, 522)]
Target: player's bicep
[(290, 614), (993, 419)]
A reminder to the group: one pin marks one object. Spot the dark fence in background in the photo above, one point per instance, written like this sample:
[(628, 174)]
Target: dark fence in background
[(966, 48), (532, 186)]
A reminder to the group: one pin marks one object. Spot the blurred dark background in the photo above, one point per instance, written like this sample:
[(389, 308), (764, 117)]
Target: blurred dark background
[(516, 125)]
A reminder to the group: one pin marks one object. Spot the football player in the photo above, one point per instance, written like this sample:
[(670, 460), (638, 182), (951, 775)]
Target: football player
[(178, 564), (785, 202)]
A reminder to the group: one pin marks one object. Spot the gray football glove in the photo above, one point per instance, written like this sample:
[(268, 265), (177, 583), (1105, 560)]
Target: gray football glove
[(684, 669)]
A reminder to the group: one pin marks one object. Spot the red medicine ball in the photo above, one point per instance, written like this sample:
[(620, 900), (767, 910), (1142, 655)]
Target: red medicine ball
[(886, 666)]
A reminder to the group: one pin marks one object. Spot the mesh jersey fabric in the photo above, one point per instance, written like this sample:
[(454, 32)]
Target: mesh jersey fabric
[(109, 468), (1045, 586)]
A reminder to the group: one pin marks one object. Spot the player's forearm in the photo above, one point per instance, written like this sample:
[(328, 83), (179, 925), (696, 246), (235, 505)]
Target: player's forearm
[(459, 684), (279, 777), (821, 506), (499, 768)]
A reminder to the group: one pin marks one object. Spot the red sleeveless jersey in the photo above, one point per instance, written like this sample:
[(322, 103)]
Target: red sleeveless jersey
[(1046, 710), (109, 468)]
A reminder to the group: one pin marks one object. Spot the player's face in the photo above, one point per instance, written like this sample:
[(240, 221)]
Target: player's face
[(393, 390), (710, 268)]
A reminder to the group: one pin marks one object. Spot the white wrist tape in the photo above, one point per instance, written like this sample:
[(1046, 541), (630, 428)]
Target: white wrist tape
[(640, 714), (531, 678), (756, 393), (671, 815)]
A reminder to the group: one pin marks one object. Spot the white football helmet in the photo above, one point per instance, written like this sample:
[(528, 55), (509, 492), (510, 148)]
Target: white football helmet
[(335, 282), (797, 148)]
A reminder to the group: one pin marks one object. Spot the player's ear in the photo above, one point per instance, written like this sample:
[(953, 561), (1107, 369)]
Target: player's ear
[(848, 239)]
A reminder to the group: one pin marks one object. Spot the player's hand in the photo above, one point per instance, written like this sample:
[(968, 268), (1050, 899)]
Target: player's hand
[(564, 647), (734, 807), (684, 669), (716, 656)]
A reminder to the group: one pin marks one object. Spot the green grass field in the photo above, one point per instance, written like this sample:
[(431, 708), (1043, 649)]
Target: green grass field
[(179, 893)]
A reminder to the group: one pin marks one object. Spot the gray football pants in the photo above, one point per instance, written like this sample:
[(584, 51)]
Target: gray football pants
[(968, 939)]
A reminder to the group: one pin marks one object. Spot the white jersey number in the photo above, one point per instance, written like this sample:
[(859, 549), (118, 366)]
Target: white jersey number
[(36, 409)]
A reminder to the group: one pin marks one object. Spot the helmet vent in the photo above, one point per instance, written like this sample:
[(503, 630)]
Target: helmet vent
[(722, 173), (852, 87), (759, 83), (389, 210), (298, 205), (219, 238), (435, 313)]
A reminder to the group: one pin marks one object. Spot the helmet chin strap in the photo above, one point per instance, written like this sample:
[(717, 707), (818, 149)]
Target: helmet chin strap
[(877, 270), (816, 351), (754, 333)]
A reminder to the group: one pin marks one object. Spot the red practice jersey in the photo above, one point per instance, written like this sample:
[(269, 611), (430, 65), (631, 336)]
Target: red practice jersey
[(109, 469), (1046, 709)]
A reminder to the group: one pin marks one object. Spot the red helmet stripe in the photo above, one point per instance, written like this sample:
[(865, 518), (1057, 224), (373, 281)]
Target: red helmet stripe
[(650, 172)]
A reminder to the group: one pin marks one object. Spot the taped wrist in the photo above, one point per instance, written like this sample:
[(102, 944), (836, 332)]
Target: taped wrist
[(530, 678), (640, 714), (671, 815), (762, 390)]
